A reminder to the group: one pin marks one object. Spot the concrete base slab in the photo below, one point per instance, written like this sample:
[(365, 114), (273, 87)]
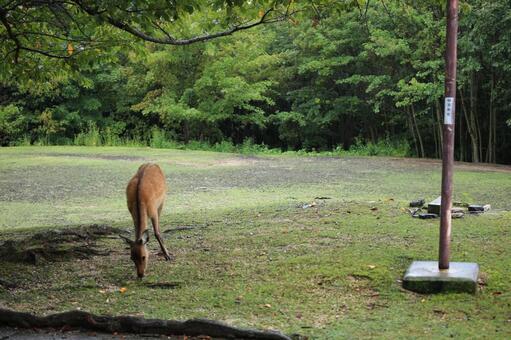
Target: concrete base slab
[(425, 277)]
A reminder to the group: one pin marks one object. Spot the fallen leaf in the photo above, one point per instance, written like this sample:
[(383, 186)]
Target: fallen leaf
[(267, 305), (371, 266), (70, 48)]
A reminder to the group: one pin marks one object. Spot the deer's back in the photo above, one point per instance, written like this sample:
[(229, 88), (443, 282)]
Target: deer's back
[(148, 185)]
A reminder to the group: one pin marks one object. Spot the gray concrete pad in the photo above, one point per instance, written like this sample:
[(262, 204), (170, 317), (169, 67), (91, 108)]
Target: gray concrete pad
[(425, 277)]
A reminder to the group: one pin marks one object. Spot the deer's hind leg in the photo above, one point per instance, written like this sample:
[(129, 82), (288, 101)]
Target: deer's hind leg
[(131, 196)]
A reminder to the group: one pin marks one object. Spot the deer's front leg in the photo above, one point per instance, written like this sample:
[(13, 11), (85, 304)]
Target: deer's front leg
[(157, 234)]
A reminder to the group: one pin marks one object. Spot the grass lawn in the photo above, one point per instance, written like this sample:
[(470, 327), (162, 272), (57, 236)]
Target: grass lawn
[(246, 250)]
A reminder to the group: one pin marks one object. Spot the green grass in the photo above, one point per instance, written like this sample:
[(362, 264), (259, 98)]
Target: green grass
[(252, 255)]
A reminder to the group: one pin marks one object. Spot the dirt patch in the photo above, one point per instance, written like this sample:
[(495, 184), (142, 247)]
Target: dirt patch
[(57, 245), (234, 162), (102, 157), (241, 161), (480, 167), (163, 285)]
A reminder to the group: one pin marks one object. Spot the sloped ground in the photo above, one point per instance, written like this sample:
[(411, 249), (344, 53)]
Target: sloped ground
[(250, 247)]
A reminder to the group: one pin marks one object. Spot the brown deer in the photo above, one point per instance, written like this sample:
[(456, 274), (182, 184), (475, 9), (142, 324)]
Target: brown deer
[(146, 194)]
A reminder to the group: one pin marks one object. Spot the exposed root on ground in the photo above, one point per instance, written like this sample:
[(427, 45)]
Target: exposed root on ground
[(57, 245), (130, 324)]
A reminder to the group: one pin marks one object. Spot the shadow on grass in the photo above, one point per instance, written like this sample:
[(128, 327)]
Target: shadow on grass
[(57, 245)]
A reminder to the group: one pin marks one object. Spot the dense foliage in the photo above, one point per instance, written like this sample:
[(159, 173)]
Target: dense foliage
[(329, 76)]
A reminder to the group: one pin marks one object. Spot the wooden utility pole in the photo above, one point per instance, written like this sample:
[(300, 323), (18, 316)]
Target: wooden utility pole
[(442, 276), (448, 134)]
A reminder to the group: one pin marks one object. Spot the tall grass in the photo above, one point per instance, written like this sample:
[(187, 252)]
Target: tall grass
[(90, 137), (94, 136), (384, 147)]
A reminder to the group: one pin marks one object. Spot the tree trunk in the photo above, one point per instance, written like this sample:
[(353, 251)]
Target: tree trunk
[(419, 137), (472, 122), (412, 130), (372, 134), (435, 138), (475, 118), (471, 127), (490, 151)]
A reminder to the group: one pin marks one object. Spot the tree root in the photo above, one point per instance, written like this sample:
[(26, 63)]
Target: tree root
[(57, 245), (130, 324)]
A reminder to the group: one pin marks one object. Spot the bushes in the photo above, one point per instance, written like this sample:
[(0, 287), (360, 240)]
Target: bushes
[(11, 124), (161, 139), (90, 137), (384, 147), (108, 136)]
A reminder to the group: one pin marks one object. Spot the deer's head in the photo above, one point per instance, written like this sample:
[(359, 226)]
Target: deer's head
[(139, 253)]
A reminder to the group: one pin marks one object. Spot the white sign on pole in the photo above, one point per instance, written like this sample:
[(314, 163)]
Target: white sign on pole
[(449, 110)]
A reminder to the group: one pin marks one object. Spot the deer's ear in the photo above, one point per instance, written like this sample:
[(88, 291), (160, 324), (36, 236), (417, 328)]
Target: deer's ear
[(144, 238), (128, 241)]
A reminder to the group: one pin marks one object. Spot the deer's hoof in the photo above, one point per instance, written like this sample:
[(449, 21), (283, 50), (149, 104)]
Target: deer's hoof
[(167, 256)]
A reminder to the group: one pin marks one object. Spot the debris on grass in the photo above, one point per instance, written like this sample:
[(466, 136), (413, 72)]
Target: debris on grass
[(457, 214), (418, 203), (309, 205), (426, 216), (459, 209), (434, 206), (478, 208)]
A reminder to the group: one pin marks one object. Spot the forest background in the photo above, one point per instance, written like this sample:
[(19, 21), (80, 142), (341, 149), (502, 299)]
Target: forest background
[(325, 76)]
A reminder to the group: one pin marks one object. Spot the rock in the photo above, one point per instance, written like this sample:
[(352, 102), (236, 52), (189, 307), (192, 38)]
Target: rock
[(427, 216), (459, 214), (478, 208), (414, 212), (417, 203)]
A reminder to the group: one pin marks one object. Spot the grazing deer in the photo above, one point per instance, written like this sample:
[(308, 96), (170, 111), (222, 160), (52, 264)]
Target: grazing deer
[(146, 193)]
